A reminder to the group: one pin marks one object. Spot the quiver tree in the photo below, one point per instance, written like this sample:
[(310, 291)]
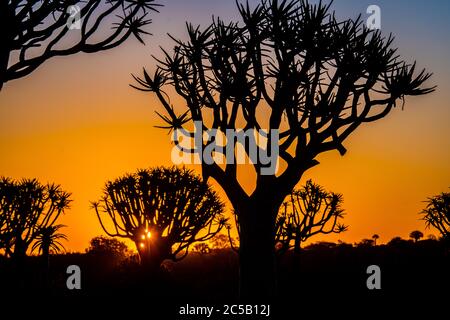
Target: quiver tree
[(437, 214), (307, 212), (33, 31), (162, 210), (295, 70), (28, 208), (49, 241)]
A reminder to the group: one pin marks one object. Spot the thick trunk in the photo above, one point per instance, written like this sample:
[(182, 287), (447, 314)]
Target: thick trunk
[(257, 249), (297, 244), (153, 253)]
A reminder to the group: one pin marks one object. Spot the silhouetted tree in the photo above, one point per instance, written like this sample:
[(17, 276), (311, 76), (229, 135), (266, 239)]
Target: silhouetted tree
[(103, 246), (163, 210), (202, 248), (307, 212), (364, 243), (222, 241), (289, 66), (48, 240), (33, 31), (397, 241), (375, 237), (416, 235), (28, 209), (437, 214)]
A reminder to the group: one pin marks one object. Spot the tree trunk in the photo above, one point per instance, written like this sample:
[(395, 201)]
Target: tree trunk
[(257, 272)]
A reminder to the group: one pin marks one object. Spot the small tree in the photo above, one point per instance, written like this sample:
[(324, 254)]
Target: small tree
[(375, 237), (202, 248), (103, 246), (33, 31), (48, 241), (222, 241), (162, 210), (308, 212), (28, 208), (437, 214), (416, 235), (365, 243)]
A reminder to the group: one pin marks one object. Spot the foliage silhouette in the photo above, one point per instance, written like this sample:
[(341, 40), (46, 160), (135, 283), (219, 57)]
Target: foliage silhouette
[(416, 235), (222, 241), (365, 243), (162, 210), (202, 248), (27, 210), (48, 240), (313, 77), (375, 238), (33, 31), (437, 214), (107, 246), (307, 212)]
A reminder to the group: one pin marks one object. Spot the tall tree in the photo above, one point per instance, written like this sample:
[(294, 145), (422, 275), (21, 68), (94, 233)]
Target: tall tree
[(27, 208), (292, 68), (307, 212), (33, 31), (437, 213), (163, 210)]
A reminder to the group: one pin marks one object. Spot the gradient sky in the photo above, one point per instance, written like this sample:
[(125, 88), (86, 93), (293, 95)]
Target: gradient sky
[(75, 121)]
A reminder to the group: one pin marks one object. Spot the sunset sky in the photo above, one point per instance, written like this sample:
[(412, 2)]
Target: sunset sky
[(76, 122)]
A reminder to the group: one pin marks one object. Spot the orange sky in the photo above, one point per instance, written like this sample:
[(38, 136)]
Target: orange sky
[(76, 122)]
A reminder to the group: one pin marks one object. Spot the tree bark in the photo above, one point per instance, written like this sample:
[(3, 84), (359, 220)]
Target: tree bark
[(257, 274)]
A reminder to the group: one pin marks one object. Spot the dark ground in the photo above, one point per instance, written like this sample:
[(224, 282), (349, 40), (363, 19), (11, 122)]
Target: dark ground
[(322, 275)]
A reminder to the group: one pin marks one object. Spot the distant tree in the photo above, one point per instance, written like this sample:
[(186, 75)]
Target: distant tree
[(295, 70), (28, 209), (163, 211), (437, 214), (397, 241), (307, 212), (221, 241), (103, 246), (416, 235), (202, 248), (375, 237), (364, 243), (321, 245), (33, 31)]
